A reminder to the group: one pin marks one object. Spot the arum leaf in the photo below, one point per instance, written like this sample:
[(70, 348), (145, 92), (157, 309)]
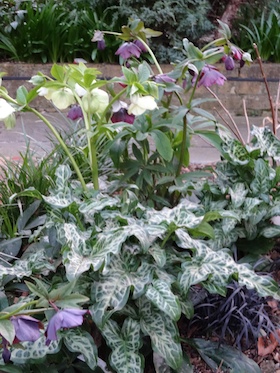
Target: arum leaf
[(80, 341), (162, 297), (125, 344)]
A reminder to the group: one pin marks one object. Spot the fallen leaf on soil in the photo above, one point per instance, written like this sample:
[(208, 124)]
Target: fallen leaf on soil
[(266, 345)]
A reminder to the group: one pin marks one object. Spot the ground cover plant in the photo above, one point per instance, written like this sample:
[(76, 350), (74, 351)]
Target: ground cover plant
[(126, 236)]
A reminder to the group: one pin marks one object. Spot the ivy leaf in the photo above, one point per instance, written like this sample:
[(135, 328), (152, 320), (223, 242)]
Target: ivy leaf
[(264, 175), (77, 340), (125, 344)]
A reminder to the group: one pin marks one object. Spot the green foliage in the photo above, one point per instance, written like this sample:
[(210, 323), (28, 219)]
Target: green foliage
[(263, 30), (53, 31), (246, 186)]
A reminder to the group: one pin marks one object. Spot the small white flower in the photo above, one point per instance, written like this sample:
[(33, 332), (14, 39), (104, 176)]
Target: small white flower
[(118, 105), (247, 57), (5, 109), (46, 92), (139, 104), (80, 90)]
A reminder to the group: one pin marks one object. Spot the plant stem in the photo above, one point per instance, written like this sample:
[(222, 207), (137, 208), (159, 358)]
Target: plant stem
[(151, 54), (274, 124), (9, 314), (62, 143), (91, 145)]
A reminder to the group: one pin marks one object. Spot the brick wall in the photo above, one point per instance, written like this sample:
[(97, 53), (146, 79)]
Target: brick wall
[(247, 85)]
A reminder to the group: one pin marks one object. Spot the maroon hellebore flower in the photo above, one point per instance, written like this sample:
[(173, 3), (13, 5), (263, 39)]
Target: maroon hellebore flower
[(67, 318), (229, 63), (75, 112), (127, 50), (237, 55), (209, 76), (122, 116), (26, 328)]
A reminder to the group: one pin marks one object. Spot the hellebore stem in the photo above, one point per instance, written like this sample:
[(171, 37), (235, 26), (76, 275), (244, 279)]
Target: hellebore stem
[(62, 143), (8, 315), (91, 145), (151, 54)]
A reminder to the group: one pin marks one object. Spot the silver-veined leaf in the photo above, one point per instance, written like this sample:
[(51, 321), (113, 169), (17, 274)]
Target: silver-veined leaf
[(77, 340), (160, 294), (163, 333), (125, 344)]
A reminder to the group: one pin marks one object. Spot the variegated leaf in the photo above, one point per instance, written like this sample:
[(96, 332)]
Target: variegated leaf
[(63, 174), (34, 350), (111, 292), (266, 142), (219, 266), (263, 176), (60, 199), (125, 344), (233, 149), (238, 194), (108, 242), (96, 204), (160, 294), (77, 340), (271, 231), (163, 333), (180, 215), (158, 254), (74, 238), (20, 269)]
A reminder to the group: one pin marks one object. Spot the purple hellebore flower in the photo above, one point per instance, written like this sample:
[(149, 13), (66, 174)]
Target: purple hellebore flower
[(26, 328), (164, 78), (229, 63), (6, 354), (67, 318), (122, 116), (75, 112), (209, 76), (140, 45), (127, 50), (99, 38)]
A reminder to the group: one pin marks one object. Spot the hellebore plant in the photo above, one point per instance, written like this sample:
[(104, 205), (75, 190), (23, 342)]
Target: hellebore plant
[(159, 106)]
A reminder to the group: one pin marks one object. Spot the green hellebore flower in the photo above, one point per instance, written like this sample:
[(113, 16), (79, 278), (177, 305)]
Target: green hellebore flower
[(96, 101), (63, 98)]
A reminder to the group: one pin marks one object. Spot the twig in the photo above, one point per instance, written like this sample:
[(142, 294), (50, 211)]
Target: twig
[(226, 122), (274, 124), (247, 121), (238, 134), (277, 105)]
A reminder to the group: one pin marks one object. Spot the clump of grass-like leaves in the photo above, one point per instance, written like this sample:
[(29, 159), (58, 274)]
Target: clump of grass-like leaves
[(240, 316)]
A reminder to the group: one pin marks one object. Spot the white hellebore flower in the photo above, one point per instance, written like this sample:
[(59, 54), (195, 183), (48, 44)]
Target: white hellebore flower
[(46, 92), (5, 109), (139, 104), (80, 90)]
